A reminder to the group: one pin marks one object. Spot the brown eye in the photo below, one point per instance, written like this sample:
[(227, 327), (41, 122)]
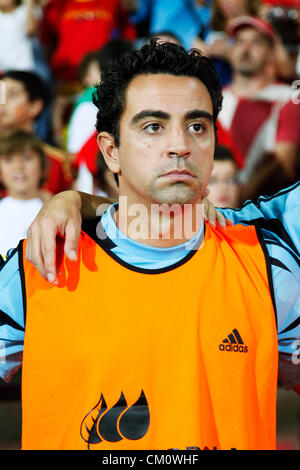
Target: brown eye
[(197, 128), (153, 128)]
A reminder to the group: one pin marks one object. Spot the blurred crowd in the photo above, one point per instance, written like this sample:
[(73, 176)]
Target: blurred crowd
[(52, 53)]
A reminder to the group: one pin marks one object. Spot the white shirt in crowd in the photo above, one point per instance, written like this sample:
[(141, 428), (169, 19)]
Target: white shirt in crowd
[(16, 47), (81, 126), (16, 216)]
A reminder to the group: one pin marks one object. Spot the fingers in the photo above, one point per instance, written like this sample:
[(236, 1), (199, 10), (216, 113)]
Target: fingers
[(60, 216), (213, 216), (33, 250), (48, 251), (41, 248), (221, 220), (210, 212), (72, 233)]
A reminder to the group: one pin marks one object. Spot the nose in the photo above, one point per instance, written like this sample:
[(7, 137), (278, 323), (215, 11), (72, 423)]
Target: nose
[(18, 162), (178, 144)]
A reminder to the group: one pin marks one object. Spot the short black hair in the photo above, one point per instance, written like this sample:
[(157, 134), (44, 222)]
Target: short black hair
[(164, 33), (112, 50), (85, 63), (222, 152), (153, 58), (35, 86)]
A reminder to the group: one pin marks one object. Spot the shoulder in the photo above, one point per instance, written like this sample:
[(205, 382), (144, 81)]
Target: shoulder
[(240, 238), (276, 93), (12, 283), (3, 202), (56, 153), (267, 208), (20, 12), (237, 231)]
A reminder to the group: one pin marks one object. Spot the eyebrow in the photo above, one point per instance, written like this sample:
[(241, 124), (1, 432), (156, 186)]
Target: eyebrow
[(149, 113), (199, 113), (194, 114)]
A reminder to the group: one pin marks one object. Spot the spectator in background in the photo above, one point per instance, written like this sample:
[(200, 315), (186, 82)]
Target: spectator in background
[(217, 44), (284, 15), (81, 139), (257, 111), (165, 36), (69, 30), (82, 120), (73, 28), (223, 186), (26, 95), (18, 25), (188, 20), (89, 70), (104, 180), (22, 173)]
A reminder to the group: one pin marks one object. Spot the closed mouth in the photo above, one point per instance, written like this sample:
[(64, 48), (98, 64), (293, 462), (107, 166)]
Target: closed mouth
[(178, 172)]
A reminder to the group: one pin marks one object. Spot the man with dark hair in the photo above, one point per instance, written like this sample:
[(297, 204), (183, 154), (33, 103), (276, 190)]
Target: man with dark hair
[(270, 141), (110, 93), (26, 96), (182, 340)]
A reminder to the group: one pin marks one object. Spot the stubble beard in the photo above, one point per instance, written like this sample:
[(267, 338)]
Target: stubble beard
[(249, 69), (176, 193)]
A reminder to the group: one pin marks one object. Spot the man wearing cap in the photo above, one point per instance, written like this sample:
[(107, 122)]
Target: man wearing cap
[(258, 111)]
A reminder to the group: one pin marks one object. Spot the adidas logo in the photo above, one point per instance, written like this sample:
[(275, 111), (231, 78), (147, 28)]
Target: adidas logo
[(234, 343)]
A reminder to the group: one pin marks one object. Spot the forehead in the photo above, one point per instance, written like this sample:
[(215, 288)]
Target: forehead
[(224, 166), (20, 152), (14, 85), (248, 32), (169, 93)]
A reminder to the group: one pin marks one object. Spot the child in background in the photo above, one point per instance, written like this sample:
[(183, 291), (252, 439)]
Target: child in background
[(81, 124), (224, 189), (22, 172), (18, 25)]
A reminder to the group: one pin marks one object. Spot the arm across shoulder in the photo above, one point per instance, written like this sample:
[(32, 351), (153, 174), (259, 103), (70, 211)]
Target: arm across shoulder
[(12, 318)]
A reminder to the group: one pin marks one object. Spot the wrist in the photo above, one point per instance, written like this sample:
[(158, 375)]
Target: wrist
[(71, 197)]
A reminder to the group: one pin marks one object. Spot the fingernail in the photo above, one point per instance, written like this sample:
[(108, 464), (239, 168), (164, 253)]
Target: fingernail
[(50, 278), (73, 255)]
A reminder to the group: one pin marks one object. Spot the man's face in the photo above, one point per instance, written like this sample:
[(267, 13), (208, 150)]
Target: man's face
[(166, 140), (17, 111), (21, 173), (251, 52)]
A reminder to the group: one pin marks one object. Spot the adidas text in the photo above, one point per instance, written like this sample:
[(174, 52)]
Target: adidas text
[(233, 347)]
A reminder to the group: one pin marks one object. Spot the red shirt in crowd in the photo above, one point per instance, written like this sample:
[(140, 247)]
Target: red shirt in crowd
[(77, 27)]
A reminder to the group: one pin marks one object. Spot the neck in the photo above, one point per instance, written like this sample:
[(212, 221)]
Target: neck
[(8, 9), (24, 196), (159, 225), (247, 86)]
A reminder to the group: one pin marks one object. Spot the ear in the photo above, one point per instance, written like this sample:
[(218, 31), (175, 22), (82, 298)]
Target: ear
[(36, 108), (110, 152)]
